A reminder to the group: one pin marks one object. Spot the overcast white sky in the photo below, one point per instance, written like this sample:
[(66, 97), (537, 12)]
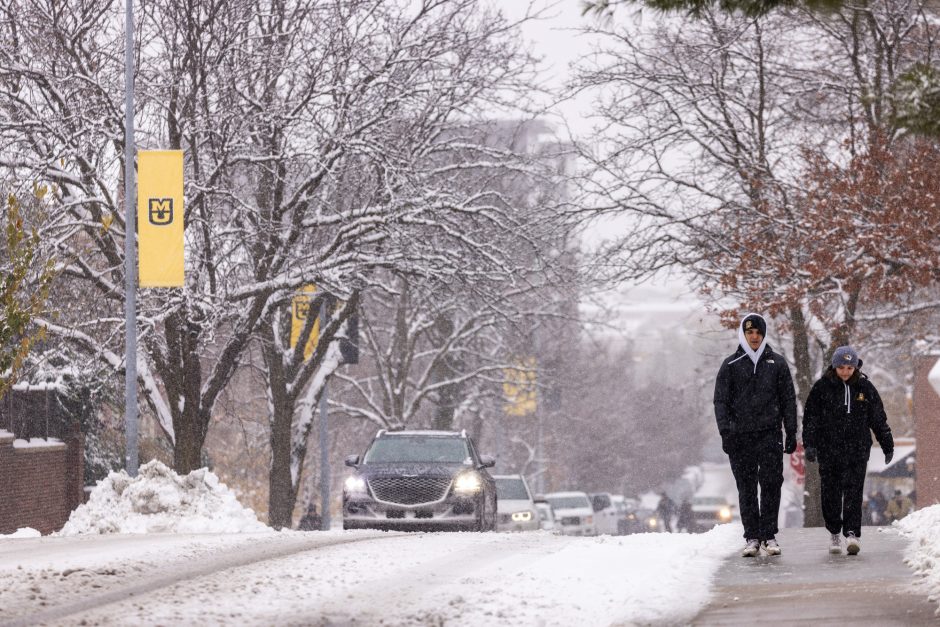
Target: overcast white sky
[(554, 38)]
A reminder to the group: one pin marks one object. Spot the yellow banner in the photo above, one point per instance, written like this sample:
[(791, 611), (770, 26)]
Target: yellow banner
[(519, 388), (160, 217), (300, 310)]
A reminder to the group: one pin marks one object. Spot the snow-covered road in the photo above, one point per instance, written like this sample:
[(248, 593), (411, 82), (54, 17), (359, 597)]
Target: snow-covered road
[(338, 577)]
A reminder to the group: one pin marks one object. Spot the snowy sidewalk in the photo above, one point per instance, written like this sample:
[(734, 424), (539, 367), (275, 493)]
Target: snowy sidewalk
[(806, 585)]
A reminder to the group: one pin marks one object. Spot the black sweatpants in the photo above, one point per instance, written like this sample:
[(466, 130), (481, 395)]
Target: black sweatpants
[(843, 485), (757, 459)]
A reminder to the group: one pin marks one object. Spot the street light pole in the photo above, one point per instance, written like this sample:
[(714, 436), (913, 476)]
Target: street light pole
[(324, 442), (130, 250)]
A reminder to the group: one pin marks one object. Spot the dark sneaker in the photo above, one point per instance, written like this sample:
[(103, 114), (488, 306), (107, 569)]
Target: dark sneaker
[(852, 546), (835, 544), (771, 547), (751, 548)]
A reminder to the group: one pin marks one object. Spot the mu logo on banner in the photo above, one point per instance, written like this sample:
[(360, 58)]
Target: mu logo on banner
[(160, 211)]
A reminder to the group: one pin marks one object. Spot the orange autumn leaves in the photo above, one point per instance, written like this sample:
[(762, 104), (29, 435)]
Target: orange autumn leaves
[(865, 230)]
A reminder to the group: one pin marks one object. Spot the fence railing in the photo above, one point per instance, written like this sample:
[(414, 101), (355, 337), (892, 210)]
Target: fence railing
[(34, 412)]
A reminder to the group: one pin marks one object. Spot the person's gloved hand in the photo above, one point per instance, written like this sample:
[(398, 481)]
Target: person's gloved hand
[(790, 445), (810, 454), (889, 453)]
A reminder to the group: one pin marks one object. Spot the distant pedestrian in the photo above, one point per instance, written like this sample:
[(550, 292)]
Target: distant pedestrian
[(666, 509), (754, 403), (898, 507), (842, 409), (876, 506), (686, 518), (311, 520)]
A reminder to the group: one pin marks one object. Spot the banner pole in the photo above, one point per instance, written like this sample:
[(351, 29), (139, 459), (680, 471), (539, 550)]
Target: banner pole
[(130, 251)]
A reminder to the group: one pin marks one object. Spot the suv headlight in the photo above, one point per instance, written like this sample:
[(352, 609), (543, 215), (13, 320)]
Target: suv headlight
[(724, 514), (355, 484), (521, 516), (468, 483)]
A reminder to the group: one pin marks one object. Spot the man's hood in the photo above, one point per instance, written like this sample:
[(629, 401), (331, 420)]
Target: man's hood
[(755, 355)]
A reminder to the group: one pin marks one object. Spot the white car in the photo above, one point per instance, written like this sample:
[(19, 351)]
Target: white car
[(515, 510), (606, 513), (573, 513), (546, 516), (709, 511)]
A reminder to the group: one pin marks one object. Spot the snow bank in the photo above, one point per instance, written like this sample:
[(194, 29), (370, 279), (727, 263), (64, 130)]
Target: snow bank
[(22, 532), (923, 555), (160, 501)]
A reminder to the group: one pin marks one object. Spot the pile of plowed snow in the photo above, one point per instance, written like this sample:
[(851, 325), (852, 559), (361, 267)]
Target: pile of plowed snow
[(923, 554), (158, 500)]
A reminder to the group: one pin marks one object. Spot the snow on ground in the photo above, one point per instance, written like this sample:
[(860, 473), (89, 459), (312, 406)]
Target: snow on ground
[(468, 579), (923, 554), (174, 539), (22, 532), (158, 500)]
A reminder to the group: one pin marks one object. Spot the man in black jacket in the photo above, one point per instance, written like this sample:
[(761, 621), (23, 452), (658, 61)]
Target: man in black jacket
[(841, 412), (754, 397)]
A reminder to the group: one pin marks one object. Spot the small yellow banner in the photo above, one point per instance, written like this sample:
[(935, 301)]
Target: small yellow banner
[(300, 310), (519, 388), (160, 217)]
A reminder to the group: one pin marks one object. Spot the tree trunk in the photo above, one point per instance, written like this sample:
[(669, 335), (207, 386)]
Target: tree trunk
[(812, 503), (801, 357), (190, 437), (281, 493)]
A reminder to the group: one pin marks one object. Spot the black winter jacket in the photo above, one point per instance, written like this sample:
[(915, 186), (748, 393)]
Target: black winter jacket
[(749, 399), (838, 416)]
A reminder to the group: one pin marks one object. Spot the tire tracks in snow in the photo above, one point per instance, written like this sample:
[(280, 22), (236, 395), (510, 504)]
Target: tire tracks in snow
[(231, 558), (438, 591)]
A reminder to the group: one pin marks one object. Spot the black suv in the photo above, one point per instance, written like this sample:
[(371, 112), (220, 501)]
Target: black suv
[(420, 480)]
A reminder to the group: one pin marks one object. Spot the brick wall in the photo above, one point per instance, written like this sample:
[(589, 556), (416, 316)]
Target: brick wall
[(40, 482), (927, 432)]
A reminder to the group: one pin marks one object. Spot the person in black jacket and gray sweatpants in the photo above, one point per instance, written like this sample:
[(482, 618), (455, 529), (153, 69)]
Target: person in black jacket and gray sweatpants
[(754, 398), (842, 410)]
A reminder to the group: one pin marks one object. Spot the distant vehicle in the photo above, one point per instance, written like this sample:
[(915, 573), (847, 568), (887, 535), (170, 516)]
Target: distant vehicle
[(515, 509), (420, 480), (606, 513), (646, 521), (573, 513), (626, 515), (708, 511), (546, 515)]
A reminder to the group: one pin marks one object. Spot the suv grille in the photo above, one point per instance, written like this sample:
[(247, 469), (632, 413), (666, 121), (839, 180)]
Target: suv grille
[(410, 490)]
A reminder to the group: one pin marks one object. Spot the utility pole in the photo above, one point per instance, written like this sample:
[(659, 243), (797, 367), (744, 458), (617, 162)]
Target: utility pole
[(324, 442), (130, 251)]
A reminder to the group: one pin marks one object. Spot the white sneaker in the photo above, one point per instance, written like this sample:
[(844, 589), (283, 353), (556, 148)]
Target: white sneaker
[(852, 546), (751, 549), (835, 544), (771, 547)]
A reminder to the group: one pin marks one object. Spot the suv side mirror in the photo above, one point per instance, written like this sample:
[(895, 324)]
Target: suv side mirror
[(352, 460), (487, 461)]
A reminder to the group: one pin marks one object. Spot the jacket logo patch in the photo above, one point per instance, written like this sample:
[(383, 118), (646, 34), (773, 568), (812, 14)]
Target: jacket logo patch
[(860, 397), (770, 361)]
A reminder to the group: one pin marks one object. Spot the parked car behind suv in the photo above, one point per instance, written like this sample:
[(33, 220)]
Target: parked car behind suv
[(420, 480), (546, 515), (515, 510), (606, 513), (573, 513)]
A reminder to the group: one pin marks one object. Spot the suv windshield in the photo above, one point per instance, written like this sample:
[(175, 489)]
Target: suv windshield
[(568, 502), (511, 488), (418, 448)]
